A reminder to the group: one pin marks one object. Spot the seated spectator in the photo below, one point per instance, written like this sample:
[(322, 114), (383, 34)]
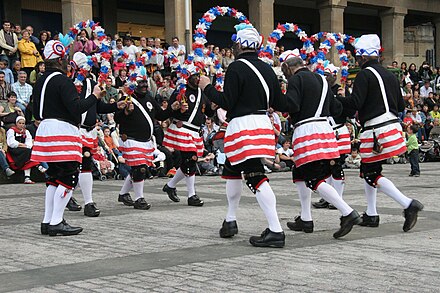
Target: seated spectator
[(209, 130), (110, 92), (5, 88), (10, 112), (407, 120), (23, 91), (353, 161), (105, 166), (39, 70), (206, 164), (19, 142), (16, 68), (118, 65), (434, 132), (111, 147), (165, 91), (285, 154), (3, 149), (121, 79), (435, 113), (9, 77)]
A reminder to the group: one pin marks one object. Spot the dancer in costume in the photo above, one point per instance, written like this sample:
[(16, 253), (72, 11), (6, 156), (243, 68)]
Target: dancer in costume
[(377, 98)]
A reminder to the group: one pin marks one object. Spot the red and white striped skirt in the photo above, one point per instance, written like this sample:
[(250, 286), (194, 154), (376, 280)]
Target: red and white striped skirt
[(88, 138), (389, 136), (343, 140), (57, 141), (249, 137), (314, 141), (184, 139), (137, 153)]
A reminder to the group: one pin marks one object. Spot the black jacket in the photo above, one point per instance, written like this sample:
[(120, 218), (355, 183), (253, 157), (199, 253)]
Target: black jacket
[(304, 94), (243, 93), (135, 125), (61, 100), (366, 97), (100, 107), (204, 107)]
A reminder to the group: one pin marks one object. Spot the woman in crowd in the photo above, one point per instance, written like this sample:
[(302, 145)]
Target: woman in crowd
[(19, 149), (228, 58), (10, 112), (44, 38), (39, 70), (121, 79), (413, 74), (28, 52), (83, 43)]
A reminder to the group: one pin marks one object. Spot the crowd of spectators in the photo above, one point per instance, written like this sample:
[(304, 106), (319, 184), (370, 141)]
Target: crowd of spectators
[(22, 63)]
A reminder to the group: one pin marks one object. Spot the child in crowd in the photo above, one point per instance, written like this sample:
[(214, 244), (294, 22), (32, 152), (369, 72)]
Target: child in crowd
[(412, 146), (285, 154), (353, 161), (110, 146), (105, 166)]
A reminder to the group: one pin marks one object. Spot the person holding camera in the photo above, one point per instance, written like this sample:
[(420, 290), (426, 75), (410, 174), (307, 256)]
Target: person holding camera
[(83, 43)]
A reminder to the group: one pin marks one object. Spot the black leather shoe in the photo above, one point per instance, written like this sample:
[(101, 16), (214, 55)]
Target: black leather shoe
[(73, 205), (268, 239), (195, 201), (410, 214), (63, 229), (126, 199), (172, 194), (369, 221), (300, 225), (331, 207), (228, 229), (321, 204), (44, 228), (90, 210), (141, 204), (347, 224)]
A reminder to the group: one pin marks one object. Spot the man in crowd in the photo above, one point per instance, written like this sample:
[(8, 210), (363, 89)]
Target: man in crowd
[(8, 43), (5, 88), (9, 77), (177, 49), (23, 91)]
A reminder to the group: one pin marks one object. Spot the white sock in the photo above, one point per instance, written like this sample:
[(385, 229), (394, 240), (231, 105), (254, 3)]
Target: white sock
[(267, 201), (48, 204), (27, 173), (305, 197), (86, 184), (338, 185), (234, 188), (127, 186), (386, 186), (329, 180), (190, 185), (370, 194), (176, 179), (138, 188), (61, 198), (328, 193)]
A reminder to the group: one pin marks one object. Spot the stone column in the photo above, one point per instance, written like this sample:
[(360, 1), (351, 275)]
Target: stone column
[(437, 41), (12, 11), (175, 21), (331, 18), (108, 10), (393, 34), (261, 16), (75, 11)]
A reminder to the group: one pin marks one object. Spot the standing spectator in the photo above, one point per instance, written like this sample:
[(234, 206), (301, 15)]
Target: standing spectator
[(143, 45), (110, 92), (8, 43), (121, 79), (16, 69), (426, 89), (28, 52), (17, 30), (227, 59), (178, 50), (33, 38), (44, 38), (5, 89), (83, 43), (425, 71), (412, 146), (351, 59), (23, 91), (9, 77), (413, 74), (131, 50)]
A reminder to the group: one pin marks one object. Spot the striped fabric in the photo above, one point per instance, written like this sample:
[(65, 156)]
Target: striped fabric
[(56, 141), (137, 153), (183, 139), (248, 137), (343, 140), (314, 141), (88, 138), (389, 136)]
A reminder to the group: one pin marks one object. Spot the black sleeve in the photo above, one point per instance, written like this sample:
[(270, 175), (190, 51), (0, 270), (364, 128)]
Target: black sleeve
[(335, 107), (70, 99), (104, 108), (359, 95), (279, 100), (160, 113), (208, 110), (293, 95), (231, 90)]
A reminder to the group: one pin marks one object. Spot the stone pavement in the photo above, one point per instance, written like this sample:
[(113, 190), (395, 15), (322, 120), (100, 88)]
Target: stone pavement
[(176, 248)]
